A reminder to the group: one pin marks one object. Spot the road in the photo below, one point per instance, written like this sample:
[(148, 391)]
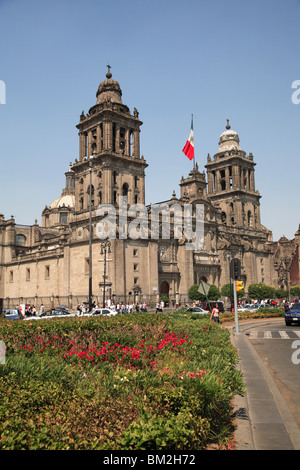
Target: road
[(279, 348)]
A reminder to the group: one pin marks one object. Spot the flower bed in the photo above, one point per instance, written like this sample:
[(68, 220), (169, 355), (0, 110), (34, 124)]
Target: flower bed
[(128, 382)]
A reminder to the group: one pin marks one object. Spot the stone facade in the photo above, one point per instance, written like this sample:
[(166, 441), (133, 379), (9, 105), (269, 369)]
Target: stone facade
[(55, 262)]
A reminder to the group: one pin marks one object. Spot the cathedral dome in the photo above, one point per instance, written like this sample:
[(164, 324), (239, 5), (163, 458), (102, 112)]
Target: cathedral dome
[(67, 200), (229, 140), (109, 90)]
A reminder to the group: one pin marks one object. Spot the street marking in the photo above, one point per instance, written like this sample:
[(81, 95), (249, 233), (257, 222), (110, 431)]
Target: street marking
[(284, 335), (276, 334), (267, 334)]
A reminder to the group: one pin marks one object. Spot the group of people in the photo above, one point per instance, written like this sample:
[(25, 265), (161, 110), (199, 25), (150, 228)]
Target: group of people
[(119, 307), (30, 310)]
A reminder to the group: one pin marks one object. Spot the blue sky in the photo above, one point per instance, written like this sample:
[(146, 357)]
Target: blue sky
[(214, 59)]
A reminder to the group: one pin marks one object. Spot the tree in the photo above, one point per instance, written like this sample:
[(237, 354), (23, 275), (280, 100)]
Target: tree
[(295, 291), (194, 293), (281, 293), (212, 294), (261, 291), (227, 291)]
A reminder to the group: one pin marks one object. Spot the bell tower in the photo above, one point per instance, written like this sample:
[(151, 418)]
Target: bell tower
[(231, 184), (111, 135)]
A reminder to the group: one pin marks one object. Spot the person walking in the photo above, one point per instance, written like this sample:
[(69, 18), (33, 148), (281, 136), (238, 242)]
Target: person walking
[(215, 315)]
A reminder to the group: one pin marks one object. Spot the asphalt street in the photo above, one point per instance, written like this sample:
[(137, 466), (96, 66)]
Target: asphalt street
[(265, 419)]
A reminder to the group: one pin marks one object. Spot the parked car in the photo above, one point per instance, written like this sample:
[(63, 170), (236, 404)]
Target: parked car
[(104, 311), (12, 314), (196, 310), (293, 314), (51, 313), (244, 308), (252, 308)]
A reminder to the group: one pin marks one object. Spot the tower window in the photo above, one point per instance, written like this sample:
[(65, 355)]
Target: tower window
[(125, 189), (249, 218), (92, 194), (101, 137), (122, 140), (20, 240), (130, 143), (64, 218), (86, 145), (27, 274)]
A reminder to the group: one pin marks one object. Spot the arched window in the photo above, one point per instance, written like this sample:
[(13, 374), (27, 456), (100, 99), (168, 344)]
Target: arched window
[(92, 192), (249, 218), (223, 218), (125, 189), (20, 240)]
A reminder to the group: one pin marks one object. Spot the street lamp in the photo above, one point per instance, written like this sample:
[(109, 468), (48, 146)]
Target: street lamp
[(105, 248)]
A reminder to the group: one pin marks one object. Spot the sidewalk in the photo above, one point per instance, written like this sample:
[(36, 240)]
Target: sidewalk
[(263, 419)]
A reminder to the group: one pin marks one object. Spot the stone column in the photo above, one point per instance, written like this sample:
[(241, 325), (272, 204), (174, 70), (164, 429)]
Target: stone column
[(209, 182), (227, 181)]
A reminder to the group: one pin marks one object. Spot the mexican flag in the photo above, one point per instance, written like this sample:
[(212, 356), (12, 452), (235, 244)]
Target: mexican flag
[(188, 149)]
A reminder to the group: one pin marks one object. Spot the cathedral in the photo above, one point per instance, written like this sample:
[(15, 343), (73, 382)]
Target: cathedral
[(65, 261)]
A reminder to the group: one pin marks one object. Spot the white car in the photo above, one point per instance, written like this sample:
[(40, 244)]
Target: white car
[(244, 309), (51, 313), (249, 308), (102, 311), (197, 310)]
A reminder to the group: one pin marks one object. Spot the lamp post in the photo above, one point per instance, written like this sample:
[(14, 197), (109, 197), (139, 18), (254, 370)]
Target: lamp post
[(105, 248)]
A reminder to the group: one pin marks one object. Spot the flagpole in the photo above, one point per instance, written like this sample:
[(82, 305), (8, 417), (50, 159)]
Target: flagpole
[(194, 143)]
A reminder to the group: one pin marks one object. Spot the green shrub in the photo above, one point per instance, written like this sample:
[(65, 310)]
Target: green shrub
[(127, 382), (153, 432)]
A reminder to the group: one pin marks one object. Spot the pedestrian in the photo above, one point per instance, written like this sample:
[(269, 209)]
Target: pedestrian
[(215, 315)]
